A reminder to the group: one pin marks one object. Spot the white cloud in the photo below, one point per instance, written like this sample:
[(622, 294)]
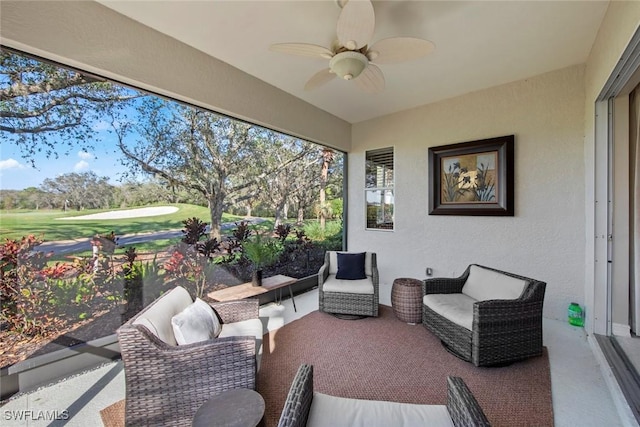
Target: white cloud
[(81, 166), (11, 164), (85, 155)]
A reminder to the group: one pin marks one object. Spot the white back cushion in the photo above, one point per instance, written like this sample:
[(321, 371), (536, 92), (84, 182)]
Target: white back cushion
[(332, 411), (198, 322), (333, 262), (483, 285), (158, 316)]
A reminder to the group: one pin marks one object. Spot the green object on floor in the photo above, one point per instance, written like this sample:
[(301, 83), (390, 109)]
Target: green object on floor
[(575, 313)]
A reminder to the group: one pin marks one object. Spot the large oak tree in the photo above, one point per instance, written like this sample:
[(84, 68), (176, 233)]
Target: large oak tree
[(221, 158), (50, 109)]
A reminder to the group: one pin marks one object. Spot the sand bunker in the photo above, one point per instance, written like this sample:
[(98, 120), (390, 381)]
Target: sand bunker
[(128, 213)]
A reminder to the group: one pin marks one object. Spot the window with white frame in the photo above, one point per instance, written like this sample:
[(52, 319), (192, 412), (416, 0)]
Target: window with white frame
[(379, 196)]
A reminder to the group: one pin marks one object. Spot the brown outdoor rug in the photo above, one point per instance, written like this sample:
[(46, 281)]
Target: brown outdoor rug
[(113, 415), (385, 359)]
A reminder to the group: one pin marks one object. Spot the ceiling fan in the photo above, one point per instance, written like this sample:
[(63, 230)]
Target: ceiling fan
[(351, 58)]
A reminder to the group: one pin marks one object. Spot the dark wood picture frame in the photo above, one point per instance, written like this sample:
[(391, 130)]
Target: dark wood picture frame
[(472, 178)]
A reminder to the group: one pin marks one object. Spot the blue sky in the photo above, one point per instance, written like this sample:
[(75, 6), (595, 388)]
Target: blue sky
[(17, 173)]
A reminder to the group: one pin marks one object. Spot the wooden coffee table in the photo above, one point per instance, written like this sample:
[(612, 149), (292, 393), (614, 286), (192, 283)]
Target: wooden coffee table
[(247, 290), (233, 408)]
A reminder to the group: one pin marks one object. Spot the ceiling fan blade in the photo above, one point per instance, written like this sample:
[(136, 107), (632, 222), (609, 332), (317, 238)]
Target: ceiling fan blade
[(399, 49), (370, 80), (320, 78), (355, 24), (302, 49)]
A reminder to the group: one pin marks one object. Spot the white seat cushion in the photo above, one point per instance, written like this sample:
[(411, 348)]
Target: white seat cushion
[(484, 285), (251, 327), (157, 317), (457, 308), (332, 411), (198, 322), (364, 286)]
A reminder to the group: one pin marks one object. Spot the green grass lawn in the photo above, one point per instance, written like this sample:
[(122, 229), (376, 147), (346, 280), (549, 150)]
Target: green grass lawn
[(16, 224)]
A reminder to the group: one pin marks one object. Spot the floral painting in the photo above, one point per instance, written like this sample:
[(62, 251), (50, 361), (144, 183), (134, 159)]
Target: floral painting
[(469, 178), (472, 178)]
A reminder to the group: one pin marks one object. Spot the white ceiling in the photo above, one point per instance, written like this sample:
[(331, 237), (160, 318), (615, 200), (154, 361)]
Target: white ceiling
[(479, 44)]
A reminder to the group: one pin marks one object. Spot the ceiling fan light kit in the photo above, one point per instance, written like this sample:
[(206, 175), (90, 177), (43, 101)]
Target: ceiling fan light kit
[(352, 56), (348, 65)]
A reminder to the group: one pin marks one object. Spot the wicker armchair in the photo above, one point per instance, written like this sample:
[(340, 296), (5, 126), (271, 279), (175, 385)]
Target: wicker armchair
[(500, 331), (462, 408), (332, 297), (167, 383)]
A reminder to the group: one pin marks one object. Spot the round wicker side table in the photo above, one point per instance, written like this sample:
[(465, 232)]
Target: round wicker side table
[(406, 300)]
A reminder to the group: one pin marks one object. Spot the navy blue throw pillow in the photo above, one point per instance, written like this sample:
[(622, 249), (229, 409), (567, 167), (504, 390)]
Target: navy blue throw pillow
[(351, 266)]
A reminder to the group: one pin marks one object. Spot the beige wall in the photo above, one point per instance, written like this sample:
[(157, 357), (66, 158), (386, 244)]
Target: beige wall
[(92, 37), (545, 239)]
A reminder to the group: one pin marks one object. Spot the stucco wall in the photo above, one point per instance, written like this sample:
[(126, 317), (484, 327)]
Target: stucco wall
[(545, 238), (94, 38)]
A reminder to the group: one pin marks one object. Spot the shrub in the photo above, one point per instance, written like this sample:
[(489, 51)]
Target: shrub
[(23, 291), (232, 247), (332, 229), (242, 231), (208, 248), (282, 231), (337, 208), (73, 292), (186, 268), (193, 231)]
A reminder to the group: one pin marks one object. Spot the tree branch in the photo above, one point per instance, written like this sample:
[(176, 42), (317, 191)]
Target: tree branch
[(156, 171), (60, 101), (39, 129), (258, 178), (19, 89)]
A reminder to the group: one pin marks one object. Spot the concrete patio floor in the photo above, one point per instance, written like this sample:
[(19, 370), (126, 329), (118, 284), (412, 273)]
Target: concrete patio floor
[(581, 396)]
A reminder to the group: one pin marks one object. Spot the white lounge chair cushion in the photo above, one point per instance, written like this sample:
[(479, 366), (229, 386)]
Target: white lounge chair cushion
[(458, 308), (364, 286), (157, 319), (483, 285), (198, 322), (332, 411), (250, 327)]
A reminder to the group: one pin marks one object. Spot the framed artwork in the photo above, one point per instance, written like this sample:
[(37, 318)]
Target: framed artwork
[(472, 178)]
